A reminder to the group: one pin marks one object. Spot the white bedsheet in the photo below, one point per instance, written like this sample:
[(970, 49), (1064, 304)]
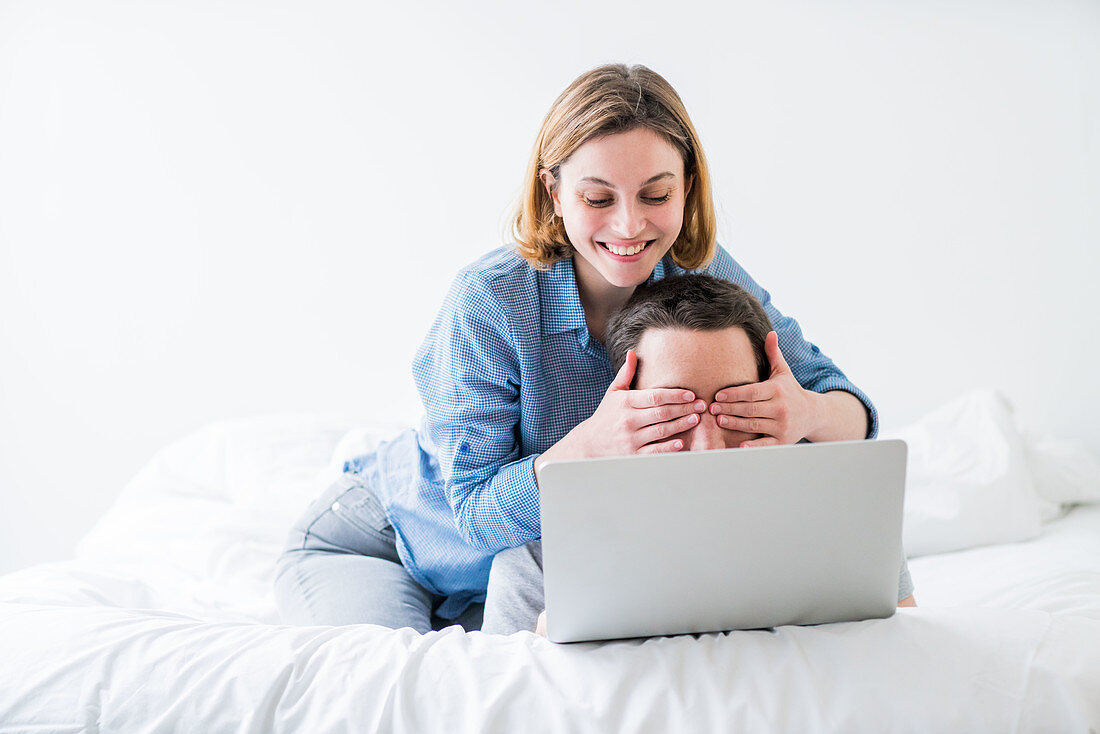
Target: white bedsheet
[(944, 670), (166, 622)]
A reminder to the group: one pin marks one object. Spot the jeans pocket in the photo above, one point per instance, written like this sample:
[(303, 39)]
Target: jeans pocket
[(361, 508), (346, 518)]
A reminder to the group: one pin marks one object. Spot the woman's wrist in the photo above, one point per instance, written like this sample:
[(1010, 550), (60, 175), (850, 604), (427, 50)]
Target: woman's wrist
[(837, 416), (568, 447)]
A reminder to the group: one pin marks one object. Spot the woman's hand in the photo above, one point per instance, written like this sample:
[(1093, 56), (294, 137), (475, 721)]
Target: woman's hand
[(639, 421), (630, 421), (779, 407)]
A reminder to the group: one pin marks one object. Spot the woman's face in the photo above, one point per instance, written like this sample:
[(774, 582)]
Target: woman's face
[(621, 198)]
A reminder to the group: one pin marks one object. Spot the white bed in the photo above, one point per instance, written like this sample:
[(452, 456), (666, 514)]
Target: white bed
[(165, 621)]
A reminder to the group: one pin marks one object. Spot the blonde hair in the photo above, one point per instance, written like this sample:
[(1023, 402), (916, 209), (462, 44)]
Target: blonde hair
[(613, 98)]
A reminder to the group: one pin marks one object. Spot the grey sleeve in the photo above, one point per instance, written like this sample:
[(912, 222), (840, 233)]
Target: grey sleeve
[(905, 581), (515, 597)]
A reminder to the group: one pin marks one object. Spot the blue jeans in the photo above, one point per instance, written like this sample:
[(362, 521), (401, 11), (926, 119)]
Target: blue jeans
[(340, 566)]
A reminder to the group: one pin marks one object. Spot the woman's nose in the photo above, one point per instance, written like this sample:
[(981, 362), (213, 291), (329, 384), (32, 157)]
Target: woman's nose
[(629, 220), (706, 435)]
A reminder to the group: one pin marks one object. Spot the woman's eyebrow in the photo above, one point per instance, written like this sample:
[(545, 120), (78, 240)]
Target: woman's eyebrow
[(601, 182)]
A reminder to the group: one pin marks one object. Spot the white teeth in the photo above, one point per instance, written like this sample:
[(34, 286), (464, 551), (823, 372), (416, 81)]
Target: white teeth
[(634, 250)]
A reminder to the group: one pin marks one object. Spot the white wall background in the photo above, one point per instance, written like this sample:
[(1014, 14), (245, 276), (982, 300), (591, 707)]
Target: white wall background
[(222, 209)]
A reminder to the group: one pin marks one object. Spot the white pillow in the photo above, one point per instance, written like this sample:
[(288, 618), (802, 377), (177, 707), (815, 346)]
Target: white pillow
[(968, 482), (1064, 471)]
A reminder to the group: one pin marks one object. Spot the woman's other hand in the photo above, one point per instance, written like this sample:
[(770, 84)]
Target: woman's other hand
[(779, 407)]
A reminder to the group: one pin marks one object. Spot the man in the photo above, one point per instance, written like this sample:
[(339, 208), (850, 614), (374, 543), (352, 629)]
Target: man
[(693, 332)]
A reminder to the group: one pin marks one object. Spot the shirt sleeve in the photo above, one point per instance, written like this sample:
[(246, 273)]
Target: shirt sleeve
[(468, 375), (905, 581), (813, 370)]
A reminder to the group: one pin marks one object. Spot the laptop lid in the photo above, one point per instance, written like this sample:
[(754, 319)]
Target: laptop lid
[(718, 540)]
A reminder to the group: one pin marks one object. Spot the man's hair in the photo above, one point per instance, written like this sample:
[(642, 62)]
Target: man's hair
[(691, 302)]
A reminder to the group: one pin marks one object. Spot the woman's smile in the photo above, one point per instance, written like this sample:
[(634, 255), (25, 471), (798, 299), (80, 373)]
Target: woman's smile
[(626, 251)]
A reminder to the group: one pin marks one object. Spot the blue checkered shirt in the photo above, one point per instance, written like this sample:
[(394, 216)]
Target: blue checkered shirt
[(507, 369)]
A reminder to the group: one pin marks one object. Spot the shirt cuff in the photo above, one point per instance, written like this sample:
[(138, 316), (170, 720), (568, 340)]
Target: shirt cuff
[(506, 513)]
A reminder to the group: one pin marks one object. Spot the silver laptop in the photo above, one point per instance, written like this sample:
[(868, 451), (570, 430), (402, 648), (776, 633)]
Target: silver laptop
[(721, 540)]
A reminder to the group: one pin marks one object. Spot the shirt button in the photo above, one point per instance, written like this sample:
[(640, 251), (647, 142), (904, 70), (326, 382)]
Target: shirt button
[(335, 506)]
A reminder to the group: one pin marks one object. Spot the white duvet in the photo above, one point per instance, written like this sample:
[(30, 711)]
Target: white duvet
[(165, 622)]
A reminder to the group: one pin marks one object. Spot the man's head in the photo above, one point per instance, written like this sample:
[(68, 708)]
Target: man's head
[(693, 332)]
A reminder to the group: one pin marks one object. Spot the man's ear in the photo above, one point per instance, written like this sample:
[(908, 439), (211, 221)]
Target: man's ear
[(550, 182)]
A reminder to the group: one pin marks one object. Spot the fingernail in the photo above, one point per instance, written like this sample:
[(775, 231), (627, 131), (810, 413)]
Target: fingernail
[(724, 421), (679, 444), (714, 409), (688, 397), (700, 406), (693, 419), (720, 396)]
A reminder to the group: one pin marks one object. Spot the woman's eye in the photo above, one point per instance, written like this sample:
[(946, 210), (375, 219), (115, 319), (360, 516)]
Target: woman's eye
[(648, 199)]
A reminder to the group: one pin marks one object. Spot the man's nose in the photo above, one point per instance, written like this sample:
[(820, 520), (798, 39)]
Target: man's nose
[(706, 435)]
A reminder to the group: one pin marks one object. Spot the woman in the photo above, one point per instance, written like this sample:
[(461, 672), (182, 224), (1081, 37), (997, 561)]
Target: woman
[(513, 371)]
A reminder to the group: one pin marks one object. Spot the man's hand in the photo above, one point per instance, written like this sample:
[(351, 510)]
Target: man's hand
[(779, 408), (540, 626)]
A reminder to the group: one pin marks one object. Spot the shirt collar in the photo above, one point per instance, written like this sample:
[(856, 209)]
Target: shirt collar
[(561, 302), (659, 270)]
